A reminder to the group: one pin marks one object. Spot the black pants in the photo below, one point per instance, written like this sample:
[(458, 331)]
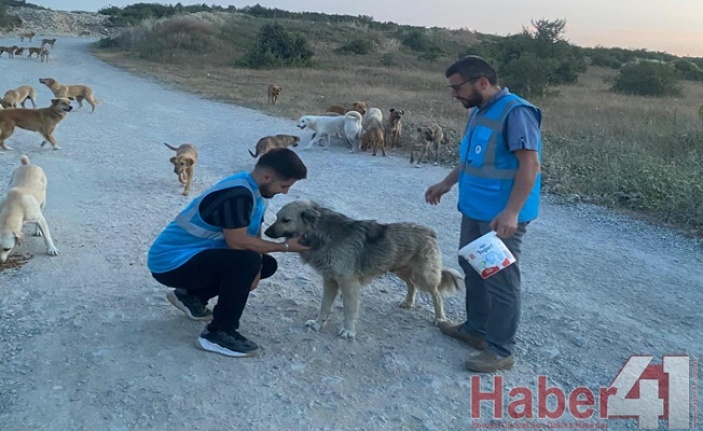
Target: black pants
[(224, 272)]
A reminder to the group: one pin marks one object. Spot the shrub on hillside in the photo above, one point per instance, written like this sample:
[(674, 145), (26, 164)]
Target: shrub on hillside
[(277, 47), (648, 78), (356, 46), (8, 21)]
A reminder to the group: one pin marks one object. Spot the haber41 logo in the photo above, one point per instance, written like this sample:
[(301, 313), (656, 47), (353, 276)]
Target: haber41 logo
[(641, 390)]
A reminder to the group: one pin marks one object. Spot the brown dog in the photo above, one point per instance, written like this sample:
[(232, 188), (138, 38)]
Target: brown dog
[(360, 107), (28, 34), (394, 128), (274, 91), (373, 137), (43, 120), (34, 50), (17, 97), (79, 92), (268, 143), (10, 50), (184, 164), (19, 51), (428, 140)]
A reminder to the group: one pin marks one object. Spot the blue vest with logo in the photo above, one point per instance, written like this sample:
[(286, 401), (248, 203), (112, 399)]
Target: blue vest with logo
[(489, 167), (188, 234)]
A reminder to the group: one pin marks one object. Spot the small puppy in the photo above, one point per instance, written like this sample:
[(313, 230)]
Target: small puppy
[(19, 51), (274, 91), (268, 143), (428, 140), (373, 138), (184, 164), (79, 92), (24, 203), (18, 96)]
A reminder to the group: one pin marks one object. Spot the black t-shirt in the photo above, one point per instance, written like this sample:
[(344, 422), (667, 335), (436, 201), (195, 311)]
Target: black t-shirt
[(229, 208)]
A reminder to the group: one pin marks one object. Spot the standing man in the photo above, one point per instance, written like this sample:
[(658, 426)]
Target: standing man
[(214, 247), (499, 190)]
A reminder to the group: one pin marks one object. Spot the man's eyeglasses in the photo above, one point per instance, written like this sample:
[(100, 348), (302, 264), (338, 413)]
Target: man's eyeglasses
[(456, 87)]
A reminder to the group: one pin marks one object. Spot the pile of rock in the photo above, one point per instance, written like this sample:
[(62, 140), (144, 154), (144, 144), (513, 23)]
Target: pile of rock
[(49, 22)]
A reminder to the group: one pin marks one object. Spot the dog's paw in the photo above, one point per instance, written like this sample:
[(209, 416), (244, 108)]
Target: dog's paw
[(407, 304), (346, 333), (52, 251), (312, 324), (418, 166), (437, 321)]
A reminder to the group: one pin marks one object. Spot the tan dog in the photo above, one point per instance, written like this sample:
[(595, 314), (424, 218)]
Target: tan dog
[(44, 55), (428, 140), (268, 143), (184, 164), (274, 91), (48, 42), (10, 50), (394, 128), (24, 203), (27, 34), (360, 107), (43, 121), (79, 92), (17, 97), (373, 138)]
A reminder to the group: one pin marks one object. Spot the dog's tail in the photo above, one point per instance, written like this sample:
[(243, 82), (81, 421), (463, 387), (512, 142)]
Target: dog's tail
[(173, 148), (24, 160), (450, 281), (254, 155)]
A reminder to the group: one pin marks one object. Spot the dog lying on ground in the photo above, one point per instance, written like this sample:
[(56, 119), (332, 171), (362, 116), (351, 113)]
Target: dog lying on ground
[(360, 107), (79, 92), (428, 140), (43, 121), (24, 203), (326, 126), (17, 97), (19, 51), (268, 143), (394, 128), (273, 92), (10, 50), (184, 164), (349, 254)]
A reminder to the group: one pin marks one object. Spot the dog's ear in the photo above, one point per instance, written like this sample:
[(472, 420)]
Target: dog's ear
[(71, 98), (172, 160), (310, 216), (190, 162)]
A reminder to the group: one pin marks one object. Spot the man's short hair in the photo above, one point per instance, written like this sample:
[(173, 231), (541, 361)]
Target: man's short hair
[(473, 67), (285, 163)]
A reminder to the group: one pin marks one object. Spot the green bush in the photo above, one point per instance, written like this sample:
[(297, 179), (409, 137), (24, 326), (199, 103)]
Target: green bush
[(648, 78), (277, 47), (356, 46), (387, 59), (8, 21)]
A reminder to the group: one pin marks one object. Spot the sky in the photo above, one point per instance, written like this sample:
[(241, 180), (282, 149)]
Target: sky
[(673, 26)]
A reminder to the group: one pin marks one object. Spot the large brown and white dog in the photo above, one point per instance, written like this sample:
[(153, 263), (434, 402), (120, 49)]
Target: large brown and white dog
[(184, 164), (23, 204), (349, 254), (42, 121), (79, 92), (268, 143)]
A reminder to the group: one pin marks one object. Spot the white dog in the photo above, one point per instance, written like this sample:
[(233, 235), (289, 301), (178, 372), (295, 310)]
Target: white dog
[(328, 126), (372, 117), (352, 129), (24, 203)]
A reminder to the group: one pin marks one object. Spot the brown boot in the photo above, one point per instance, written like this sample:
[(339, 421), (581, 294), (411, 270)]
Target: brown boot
[(454, 330), (488, 362)]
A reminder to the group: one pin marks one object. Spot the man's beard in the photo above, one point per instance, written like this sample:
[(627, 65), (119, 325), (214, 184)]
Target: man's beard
[(265, 192), (471, 102)]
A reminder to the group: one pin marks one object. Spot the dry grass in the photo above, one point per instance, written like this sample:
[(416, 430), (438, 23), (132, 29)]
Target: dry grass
[(635, 153)]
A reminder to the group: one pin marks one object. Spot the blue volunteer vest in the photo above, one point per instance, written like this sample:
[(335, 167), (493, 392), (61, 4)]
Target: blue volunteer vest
[(489, 167), (188, 234)]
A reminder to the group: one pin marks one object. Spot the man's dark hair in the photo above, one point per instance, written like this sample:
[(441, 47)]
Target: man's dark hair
[(473, 67), (285, 163)]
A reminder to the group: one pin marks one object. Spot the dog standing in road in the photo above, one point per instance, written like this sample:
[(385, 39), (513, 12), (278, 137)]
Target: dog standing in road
[(184, 164)]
